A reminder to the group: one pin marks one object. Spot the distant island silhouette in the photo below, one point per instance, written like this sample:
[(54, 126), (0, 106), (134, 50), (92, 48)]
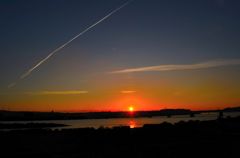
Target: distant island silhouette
[(25, 116)]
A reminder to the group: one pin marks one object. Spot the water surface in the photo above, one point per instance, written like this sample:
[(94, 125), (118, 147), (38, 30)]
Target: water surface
[(131, 122)]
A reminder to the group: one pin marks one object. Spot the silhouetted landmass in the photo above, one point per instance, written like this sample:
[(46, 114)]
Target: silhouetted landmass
[(21, 116), (235, 109), (29, 125), (229, 109), (198, 139), (24, 116)]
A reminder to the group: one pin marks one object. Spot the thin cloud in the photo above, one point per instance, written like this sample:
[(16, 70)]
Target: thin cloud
[(127, 92), (3, 94), (12, 85), (73, 92), (203, 65)]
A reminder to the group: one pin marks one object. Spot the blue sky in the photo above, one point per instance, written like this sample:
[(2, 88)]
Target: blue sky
[(144, 33)]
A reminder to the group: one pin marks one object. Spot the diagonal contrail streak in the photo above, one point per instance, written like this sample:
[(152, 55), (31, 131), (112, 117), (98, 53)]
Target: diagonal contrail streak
[(28, 72)]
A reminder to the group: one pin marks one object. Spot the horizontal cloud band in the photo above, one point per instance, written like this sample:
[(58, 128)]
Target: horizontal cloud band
[(57, 93), (203, 65), (127, 91)]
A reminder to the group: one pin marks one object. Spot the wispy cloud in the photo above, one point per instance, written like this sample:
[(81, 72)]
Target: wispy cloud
[(1, 93), (203, 65), (12, 85), (73, 92), (127, 92)]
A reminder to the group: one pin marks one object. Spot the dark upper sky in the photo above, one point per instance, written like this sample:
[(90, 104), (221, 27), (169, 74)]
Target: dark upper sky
[(144, 33)]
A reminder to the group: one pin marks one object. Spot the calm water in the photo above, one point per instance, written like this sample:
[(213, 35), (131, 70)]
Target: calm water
[(132, 122)]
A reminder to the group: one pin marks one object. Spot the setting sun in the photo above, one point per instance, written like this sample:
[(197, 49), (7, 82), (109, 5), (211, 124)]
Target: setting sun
[(130, 108)]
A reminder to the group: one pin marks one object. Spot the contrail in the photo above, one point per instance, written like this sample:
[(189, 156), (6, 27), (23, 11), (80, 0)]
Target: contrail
[(27, 73)]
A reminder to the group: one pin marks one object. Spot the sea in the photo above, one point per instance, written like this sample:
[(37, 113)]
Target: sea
[(131, 122)]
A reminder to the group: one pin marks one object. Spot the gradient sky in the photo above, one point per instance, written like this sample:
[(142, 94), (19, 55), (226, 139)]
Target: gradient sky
[(92, 73)]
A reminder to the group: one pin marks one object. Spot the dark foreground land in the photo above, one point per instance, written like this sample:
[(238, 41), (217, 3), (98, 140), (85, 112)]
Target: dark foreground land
[(9, 126), (219, 138)]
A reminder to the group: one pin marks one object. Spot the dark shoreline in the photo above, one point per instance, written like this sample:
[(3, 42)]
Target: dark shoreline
[(216, 138), (38, 116), (29, 125)]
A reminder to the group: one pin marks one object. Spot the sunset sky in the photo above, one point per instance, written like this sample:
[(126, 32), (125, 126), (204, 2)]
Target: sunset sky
[(149, 55)]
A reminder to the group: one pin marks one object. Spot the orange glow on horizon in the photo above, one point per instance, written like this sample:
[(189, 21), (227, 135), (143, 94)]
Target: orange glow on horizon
[(130, 102)]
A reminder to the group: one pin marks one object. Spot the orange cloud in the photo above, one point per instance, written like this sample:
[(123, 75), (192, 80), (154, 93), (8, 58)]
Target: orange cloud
[(127, 92), (72, 92)]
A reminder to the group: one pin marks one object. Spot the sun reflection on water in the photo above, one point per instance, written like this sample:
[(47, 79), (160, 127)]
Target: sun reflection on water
[(132, 124)]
